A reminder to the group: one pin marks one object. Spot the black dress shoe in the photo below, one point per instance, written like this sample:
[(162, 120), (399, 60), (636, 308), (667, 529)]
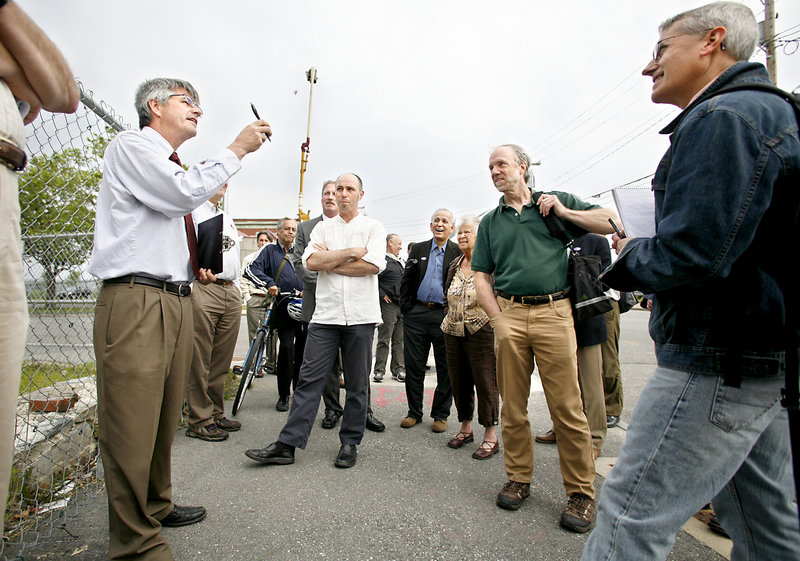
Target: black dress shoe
[(330, 419), (183, 516), (374, 424), (276, 453), (612, 421), (283, 404), (346, 457)]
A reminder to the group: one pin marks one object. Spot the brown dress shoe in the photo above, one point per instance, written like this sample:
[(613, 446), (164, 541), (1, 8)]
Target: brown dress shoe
[(548, 437), (460, 440), (486, 450), (439, 425), (409, 422)]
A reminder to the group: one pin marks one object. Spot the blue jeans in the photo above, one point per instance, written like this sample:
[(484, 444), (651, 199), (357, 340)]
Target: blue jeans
[(692, 440)]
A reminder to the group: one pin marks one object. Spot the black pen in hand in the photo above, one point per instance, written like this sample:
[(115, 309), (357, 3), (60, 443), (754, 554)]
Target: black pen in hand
[(613, 225), (255, 112)]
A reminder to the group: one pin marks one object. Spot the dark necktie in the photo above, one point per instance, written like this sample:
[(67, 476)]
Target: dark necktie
[(191, 236)]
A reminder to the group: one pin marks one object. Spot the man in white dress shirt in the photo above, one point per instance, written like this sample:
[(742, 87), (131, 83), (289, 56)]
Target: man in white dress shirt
[(217, 315), (348, 253), (144, 247)]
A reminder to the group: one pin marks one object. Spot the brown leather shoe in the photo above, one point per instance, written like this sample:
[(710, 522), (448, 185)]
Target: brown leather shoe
[(512, 494), (548, 437), (409, 422), (439, 425), (228, 424), (211, 432), (486, 450), (578, 516), (460, 440)]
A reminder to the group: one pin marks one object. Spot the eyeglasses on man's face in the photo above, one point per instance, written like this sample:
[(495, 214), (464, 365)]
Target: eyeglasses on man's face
[(658, 52), (188, 100)]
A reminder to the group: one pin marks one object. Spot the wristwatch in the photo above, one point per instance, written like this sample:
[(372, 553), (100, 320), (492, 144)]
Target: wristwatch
[(11, 155)]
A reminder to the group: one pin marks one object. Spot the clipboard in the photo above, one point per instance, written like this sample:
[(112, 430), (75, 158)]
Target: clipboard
[(209, 244)]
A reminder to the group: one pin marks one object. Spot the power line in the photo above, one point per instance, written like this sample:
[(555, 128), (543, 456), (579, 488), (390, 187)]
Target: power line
[(611, 148)]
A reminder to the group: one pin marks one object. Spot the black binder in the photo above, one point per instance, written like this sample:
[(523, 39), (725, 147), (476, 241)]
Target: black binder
[(209, 244)]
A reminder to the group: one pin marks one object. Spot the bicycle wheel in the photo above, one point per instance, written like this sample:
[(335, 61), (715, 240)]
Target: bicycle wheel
[(249, 370)]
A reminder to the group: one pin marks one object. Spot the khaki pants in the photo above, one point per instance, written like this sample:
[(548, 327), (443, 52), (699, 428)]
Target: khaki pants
[(217, 311), (13, 306), (590, 378), (545, 332), (612, 373), (143, 345)]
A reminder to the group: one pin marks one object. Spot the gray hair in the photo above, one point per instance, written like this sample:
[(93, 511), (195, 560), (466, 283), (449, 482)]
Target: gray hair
[(159, 89), (327, 182), (389, 237), (738, 20), (521, 156), (468, 220), (438, 210), (283, 220)]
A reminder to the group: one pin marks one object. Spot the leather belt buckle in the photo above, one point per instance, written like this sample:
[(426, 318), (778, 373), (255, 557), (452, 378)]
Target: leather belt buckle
[(11, 155)]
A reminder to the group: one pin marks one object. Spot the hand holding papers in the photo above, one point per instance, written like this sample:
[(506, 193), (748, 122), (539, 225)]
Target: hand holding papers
[(636, 209)]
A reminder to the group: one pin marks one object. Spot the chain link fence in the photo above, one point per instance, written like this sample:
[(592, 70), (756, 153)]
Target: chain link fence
[(56, 444)]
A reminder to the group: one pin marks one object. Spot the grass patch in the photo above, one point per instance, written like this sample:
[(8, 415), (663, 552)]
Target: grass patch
[(231, 385), (37, 375)]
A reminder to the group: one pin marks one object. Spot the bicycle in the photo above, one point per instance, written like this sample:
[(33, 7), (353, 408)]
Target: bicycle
[(255, 354)]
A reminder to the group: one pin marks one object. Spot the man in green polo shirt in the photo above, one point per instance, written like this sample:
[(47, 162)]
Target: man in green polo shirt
[(532, 317)]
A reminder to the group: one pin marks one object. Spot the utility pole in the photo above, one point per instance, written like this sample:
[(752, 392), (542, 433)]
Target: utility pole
[(769, 39), (311, 76)]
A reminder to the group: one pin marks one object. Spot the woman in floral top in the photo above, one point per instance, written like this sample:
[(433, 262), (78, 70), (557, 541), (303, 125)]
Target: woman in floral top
[(469, 342)]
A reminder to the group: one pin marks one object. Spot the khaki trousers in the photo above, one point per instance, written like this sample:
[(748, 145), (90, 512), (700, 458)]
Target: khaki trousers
[(545, 332), (143, 346), (217, 312), (612, 373), (13, 306), (590, 378)]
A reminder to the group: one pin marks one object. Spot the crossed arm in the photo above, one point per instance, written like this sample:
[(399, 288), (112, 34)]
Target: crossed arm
[(347, 261)]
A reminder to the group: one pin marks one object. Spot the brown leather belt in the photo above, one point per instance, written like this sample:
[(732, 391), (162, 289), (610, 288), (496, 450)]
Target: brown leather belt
[(223, 282), (11, 155), (430, 305), (535, 300)]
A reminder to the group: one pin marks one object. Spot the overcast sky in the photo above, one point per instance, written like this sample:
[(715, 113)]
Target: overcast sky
[(411, 95)]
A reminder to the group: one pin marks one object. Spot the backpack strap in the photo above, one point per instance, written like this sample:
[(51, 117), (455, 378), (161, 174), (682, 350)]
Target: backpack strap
[(553, 223), (794, 100)]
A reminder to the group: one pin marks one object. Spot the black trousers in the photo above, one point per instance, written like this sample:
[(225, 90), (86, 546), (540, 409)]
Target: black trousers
[(322, 348), (421, 330), (292, 337)]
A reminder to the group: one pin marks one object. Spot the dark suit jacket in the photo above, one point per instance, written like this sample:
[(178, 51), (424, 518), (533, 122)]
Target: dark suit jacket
[(309, 278), (416, 267), (592, 331), (389, 280)]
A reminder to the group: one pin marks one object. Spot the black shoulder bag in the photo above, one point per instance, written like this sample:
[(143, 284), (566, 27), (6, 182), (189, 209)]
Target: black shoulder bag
[(587, 293)]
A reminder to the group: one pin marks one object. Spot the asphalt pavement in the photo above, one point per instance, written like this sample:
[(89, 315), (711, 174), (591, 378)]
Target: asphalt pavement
[(409, 496)]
